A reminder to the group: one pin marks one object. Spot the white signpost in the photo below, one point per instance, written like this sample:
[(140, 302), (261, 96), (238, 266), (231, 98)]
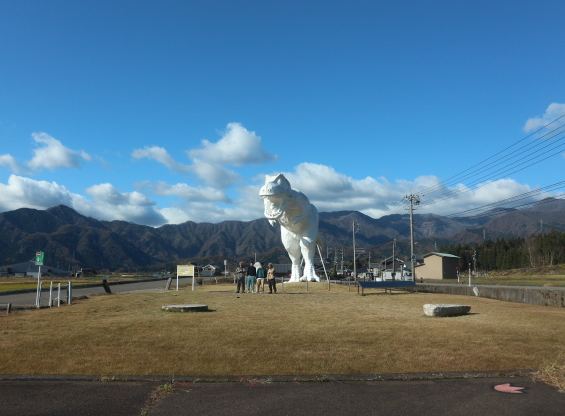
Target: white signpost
[(39, 256)]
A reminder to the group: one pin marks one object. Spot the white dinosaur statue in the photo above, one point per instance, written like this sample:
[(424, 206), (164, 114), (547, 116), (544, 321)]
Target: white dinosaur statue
[(299, 224)]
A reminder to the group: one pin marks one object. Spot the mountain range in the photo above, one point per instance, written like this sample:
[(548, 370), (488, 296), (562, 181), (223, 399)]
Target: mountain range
[(71, 240)]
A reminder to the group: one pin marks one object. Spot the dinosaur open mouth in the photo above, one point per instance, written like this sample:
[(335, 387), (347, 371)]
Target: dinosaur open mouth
[(274, 205)]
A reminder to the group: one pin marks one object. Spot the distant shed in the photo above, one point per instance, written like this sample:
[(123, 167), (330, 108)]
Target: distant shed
[(438, 266)]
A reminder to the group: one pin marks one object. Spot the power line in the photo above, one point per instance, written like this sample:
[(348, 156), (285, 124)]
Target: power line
[(506, 164), (451, 218), (510, 168), (458, 177)]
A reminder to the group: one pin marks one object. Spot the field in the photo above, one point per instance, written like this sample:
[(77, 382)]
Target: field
[(291, 333)]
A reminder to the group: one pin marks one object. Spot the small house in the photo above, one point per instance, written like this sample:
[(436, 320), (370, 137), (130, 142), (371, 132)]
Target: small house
[(210, 270), (438, 266)]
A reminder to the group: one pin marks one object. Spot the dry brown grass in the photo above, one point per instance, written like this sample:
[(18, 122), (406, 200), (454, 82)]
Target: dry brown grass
[(291, 333), (553, 373)]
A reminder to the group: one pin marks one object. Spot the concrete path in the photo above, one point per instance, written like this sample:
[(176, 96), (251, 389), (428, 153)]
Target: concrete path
[(354, 395)]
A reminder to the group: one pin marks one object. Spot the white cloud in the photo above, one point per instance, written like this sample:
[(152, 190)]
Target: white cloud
[(208, 212), (161, 155), (332, 191), (22, 192), (463, 198), (107, 193), (175, 215), (553, 111), (215, 174), (184, 191), (107, 202), (212, 201), (9, 160), (54, 155), (237, 147)]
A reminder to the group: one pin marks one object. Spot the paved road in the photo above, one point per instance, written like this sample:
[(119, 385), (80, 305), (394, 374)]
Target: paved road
[(458, 396), (28, 298)]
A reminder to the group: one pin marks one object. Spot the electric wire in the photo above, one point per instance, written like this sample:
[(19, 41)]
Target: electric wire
[(505, 164), (512, 168), (458, 177)]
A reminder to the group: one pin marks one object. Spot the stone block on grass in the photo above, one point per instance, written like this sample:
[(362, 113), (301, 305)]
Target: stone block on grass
[(185, 308), (431, 309)]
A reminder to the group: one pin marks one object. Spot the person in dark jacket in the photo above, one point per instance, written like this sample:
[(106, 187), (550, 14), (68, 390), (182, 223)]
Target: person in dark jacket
[(251, 276)]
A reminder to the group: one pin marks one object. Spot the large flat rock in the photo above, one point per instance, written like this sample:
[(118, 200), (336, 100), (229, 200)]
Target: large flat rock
[(185, 308), (431, 309)]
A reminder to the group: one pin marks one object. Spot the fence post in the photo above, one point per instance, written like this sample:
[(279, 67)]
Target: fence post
[(38, 298), (106, 286), (69, 292)]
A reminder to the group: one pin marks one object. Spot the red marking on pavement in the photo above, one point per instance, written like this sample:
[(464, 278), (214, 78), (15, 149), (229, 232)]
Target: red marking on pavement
[(507, 388)]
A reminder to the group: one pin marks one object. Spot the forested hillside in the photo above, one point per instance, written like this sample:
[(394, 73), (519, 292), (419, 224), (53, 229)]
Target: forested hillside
[(513, 253)]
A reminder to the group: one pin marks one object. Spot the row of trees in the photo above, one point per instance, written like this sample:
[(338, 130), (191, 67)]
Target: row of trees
[(535, 251)]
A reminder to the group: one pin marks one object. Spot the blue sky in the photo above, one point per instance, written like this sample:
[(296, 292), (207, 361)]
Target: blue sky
[(163, 112)]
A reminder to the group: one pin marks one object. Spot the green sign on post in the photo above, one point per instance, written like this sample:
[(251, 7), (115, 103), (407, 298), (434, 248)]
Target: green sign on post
[(39, 258)]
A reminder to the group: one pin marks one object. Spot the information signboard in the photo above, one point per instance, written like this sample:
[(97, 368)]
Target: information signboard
[(185, 270)]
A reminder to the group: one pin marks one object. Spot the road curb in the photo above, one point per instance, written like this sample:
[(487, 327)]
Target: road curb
[(264, 379)]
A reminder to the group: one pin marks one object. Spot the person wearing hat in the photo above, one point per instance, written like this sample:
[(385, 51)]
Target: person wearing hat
[(240, 277), (261, 273), (271, 278)]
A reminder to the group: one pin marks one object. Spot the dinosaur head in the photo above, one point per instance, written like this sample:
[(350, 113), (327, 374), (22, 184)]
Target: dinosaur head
[(275, 193)]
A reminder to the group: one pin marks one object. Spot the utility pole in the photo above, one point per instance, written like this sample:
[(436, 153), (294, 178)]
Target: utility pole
[(393, 260), (369, 268), (414, 200), (342, 272), (355, 229)]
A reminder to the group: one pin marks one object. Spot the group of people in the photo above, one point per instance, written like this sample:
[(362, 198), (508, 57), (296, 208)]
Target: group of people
[(252, 279)]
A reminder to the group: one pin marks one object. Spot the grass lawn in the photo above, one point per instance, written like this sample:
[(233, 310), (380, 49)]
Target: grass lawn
[(291, 333)]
